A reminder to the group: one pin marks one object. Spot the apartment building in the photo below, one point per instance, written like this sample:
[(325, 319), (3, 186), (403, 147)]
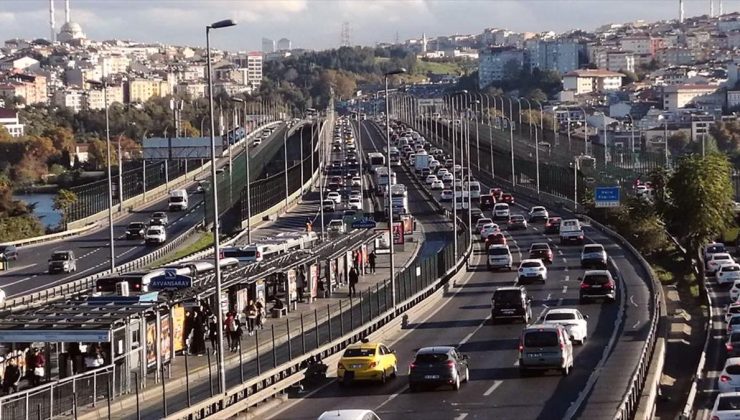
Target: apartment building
[(140, 90), (9, 120), (679, 96), (494, 64), (557, 55), (587, 81)]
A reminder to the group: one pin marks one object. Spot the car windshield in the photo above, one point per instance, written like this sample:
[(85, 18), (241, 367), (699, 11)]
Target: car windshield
[(540, 247), (530, 264), (517, 218), (721, 257), (62, 256), (136, 225), (507, 296), (715, 249), (727, 268), (177, 199), (431, 358), (596, 279), (359, 352), (541, 339), (560, 316), (153, 232), (727, 403)]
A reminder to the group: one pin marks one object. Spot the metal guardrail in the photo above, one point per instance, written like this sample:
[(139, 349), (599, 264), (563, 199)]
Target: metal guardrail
[(53, 236)]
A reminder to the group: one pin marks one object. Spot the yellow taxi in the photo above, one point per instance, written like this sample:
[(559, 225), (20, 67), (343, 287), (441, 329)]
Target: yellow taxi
[(367, 361)]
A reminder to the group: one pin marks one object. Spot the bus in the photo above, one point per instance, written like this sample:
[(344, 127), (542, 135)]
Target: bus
[(395, 157), (399, 199), (381, 180), (376, 160)]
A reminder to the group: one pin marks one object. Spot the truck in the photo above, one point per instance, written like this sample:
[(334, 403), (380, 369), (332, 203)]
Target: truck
[(571, 231), (178, 200), (421, 160)]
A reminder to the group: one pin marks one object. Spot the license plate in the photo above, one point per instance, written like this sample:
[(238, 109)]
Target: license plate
[(508, 311), (431, 376), (355, 366), (530, 274), (596, 286), (533, 355)]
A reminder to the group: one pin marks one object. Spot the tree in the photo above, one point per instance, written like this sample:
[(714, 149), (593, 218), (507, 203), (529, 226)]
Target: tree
[(677, 142), (700, 199), (188, 130), (4, 135), (63, 201), (97, 151)]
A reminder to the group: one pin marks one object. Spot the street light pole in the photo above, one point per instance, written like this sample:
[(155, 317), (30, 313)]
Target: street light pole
[(214, 188), (110, 179), (390, 199), (246, 158), (511, 139)]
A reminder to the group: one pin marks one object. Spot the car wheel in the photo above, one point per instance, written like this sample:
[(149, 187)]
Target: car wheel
[(383, 378), (467, 374), (413, 387), (523, 372), (583, 340), (565, 370), (456, 385), (394, 373)]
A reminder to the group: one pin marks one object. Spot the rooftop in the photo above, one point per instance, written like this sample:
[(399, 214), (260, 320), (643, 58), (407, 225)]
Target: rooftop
[(593, 73)]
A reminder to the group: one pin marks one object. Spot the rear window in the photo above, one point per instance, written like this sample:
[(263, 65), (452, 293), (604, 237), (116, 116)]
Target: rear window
[(530, 264), (596, 279), (238, 253), (498, 251), (540, 247), (721, 257), (153, 232), (593, 248), (359, 353), (733, 369), (507, 296), (734, 320), (727, 403), (541, 339), (735, 337), (715, 249), (559, 316), (431, 358)]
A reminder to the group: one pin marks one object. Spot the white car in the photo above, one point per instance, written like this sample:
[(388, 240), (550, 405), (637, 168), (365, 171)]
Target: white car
[(572, 319), (713, 248), (717, 260), (155, 235), (434, 164), (532, 269), (733, 324), (729, 378), (355, 194), (735, 291), (731, 310), (488, 229), (355, 204), (499, 256), (726, 406), (335, 197), (336, 226), (356, 181), (437, 185), (538, 213), (728, 273), (442, 171), (447, 178), (445, 195), (430, 179), (482, 222), (501, 211)]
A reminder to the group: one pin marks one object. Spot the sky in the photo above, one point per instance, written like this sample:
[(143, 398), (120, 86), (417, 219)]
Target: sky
[(316, 24)]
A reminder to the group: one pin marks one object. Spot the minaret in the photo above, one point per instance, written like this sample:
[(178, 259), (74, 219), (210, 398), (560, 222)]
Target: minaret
[(51, 21), (66, 11), (680, 11), (711, 8), (424, 42)]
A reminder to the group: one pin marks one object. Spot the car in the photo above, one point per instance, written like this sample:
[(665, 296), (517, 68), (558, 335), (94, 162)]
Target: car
[(329, 205), (532, 269), (496, 238), (507, 198), (356, 181), (159, 218), (445, 195), (349, 414), (729, 378), (517, 221), (354, 203), (499, 256), (438, 366), (552, 225), (597, 284), (355, 194), (482, 222), (538, 213), (371, 361), (9, 252), (335, 226), (437, 185), (726, 406), (732, 345), (733, 308), (62, 262), (500, 211), (718, 260), (729, 273), (488, 229), (593, 256), (713, 248), (542, 251), (335, 197), (135, 230), (202, 186), (572, 319), (496, 193), (511, 302), (441, 171), (155, 235), (486, 202), (545, 347), (735, 291), (571, 231), (733, 324), (448, 178), (476, 214)]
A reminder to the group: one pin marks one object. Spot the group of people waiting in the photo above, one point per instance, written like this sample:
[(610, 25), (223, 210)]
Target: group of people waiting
[(35, 371), (252, 317)]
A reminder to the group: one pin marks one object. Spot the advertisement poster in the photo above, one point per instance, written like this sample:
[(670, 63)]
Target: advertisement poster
[(165, 340), (398, 237), (151, 340), (313, 280), (292, 290), (341, 269), (242, 300), (408, 224), (224, 302), (178, 328), (382, 243), (365, 256), (332, 272)]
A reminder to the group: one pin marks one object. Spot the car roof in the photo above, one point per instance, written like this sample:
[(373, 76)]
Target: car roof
[(345, 414), (535, 260), (732, 361), (361, 345), (505, 246), (505, 288), (540, 244), (540, 327), (595, 272)]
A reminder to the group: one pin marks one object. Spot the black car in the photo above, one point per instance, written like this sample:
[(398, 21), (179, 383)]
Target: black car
[(511, 302), (475, 214), (552, 225), (135, 230), (597, 284), (8, 252), (438, 366), (486, 202)]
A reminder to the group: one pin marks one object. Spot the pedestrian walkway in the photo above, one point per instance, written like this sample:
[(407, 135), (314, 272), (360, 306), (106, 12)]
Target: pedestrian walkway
[(197, 369)]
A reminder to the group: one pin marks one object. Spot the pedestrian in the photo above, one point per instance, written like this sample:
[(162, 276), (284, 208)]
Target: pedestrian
[(237, 340), (39, 370), (371, 260), (354, 278), (230, 328), (300, 283), (11, 377), (213, 334), (251, 316), (259, 321)]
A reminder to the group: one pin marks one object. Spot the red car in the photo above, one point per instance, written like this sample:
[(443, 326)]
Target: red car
[(495, 239), (496, 193), (507, 198), (552, 225)]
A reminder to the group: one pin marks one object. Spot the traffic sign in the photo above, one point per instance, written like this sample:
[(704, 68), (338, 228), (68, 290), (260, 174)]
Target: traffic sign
[(364, 224), (170, 280), (606, 197)]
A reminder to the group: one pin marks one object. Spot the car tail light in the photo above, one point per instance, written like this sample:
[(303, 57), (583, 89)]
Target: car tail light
[(137, 286), (412, 366), (725, 378), (258, 254), (450, 363), (521, 346), (715, 418), (729, 347), (340, 365), (372, 365), (585, 285), (610, 285)]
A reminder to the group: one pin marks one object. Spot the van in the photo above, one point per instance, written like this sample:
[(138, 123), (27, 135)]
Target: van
[(499, 256), (474, 187), (178, 200), (545, 347), (500, 211)]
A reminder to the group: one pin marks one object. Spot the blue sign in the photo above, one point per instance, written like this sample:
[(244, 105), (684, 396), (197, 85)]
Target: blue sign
[(170, 280), (606, 197), (364, 224)]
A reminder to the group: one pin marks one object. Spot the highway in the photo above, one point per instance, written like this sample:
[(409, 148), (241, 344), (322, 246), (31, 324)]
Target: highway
[(29, 274), (495, 389)]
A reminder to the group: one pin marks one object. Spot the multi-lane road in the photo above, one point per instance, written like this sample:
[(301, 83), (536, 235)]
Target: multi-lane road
[(462, 318), (29, 274)]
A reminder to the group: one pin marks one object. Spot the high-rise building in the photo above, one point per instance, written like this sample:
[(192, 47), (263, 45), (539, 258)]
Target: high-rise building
[(557, 55), (268, 46), (283, 44), (254, 69)]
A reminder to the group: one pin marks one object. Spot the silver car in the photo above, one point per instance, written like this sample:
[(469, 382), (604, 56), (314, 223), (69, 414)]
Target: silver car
[(593, 256), (544, 347)]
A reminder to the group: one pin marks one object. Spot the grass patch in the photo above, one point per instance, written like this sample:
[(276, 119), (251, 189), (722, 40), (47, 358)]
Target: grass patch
[(205, 240), (425, 67)]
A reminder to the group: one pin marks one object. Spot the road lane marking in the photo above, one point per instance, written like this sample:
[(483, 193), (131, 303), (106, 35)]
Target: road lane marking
[(549, 295), (560, 252), (632, 300), (567, 277), (461, 416), (565, 260), (492, 388), (565, 289)]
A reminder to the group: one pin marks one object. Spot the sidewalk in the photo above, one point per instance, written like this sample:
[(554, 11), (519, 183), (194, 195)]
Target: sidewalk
[(150, 398)]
